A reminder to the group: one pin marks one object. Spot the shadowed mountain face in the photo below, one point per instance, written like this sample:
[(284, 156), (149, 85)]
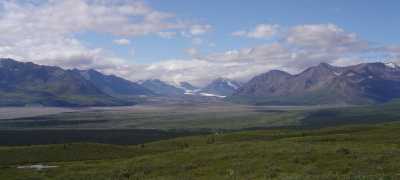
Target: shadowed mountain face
[(188, 86), (324, 84), (161, 88), (221, 87), (30, 84), (115, 86)]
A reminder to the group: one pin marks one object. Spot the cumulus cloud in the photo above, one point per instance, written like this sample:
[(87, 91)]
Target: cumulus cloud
[(326, 36), (122, 42), (46, 33), (298, 48), (261, 31), (196, 30)]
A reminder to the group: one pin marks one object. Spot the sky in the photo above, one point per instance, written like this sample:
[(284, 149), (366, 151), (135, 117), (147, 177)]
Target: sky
[(198, 40)]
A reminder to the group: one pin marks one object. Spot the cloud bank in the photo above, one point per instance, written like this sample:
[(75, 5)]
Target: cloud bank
[(47, 33)]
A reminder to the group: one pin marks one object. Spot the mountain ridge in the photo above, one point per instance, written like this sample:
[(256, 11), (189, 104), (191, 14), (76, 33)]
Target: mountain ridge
[(323, 84), (114, 85), (26, 83), (29, 84)]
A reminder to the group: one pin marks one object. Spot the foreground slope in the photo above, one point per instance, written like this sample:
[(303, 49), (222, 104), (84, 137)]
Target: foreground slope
[(352, 152)]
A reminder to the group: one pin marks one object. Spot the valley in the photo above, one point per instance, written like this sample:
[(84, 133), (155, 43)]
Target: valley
[(199, 90), (325, 122)]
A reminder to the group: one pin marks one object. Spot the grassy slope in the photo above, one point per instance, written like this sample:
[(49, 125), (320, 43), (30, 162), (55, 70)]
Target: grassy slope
[(358, 152)]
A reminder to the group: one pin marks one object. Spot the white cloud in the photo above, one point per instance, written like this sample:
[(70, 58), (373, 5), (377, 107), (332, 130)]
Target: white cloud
[(122, 42), (196, 30), (66, 16), (293, 53), (261, 31), (326, 36), (44, 31)]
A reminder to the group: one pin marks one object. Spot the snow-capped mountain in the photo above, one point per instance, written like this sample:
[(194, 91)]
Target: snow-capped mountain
[(392, 65), (221, 87), (324, 84), (189, 88), (162, 88)]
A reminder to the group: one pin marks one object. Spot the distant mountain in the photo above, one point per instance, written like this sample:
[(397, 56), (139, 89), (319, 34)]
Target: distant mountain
[(187, 86), (221, 87), (115, 86), (162, 88), (24, 84), (324, 84)]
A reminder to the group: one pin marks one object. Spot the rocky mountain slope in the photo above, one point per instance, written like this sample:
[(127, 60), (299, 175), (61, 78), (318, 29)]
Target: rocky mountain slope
[(26, 84), (324, 84)]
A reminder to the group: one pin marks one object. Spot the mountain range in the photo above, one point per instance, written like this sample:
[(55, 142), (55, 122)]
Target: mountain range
[(24, 84), (323, 84)]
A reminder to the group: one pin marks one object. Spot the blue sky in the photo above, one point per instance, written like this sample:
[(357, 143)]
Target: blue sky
[(375, 21), (199, 40)]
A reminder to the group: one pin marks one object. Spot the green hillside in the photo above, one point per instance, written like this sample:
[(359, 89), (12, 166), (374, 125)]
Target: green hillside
[(349, 152)]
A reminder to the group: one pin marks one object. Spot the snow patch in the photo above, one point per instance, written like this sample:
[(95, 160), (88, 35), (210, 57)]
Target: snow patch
[(212, 95), (337, 73), (391, 65), (191, 92), (234, 86), (37, 167)]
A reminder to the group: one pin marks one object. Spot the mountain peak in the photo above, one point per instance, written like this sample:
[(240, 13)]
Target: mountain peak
[(324, 64), (222, 87), (49, 86), (327, 66), (277, 72), (162, 88), (187, 86), (392, 65), (325, 84), (8, 61), (221, 79)]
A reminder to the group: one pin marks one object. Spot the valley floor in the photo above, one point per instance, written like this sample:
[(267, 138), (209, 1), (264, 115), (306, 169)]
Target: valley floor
[(219, 142)]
